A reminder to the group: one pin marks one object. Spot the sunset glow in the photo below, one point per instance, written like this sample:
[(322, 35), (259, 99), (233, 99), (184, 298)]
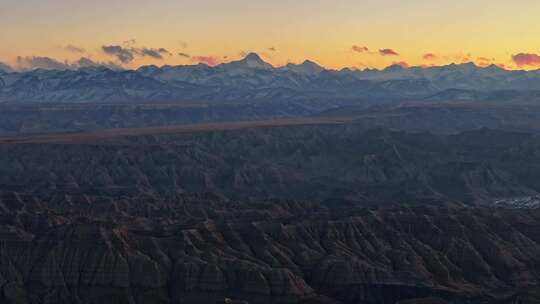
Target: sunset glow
[(336, 34)]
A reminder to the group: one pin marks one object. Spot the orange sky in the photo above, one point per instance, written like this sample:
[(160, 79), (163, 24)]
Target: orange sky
[(334, 33)]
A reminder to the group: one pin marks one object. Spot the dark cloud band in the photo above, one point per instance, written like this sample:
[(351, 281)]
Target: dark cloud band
[(526, 59), (388, 52), (127, 55)]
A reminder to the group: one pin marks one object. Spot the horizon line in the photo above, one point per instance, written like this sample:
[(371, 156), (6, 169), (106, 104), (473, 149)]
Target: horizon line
[(115, 66)]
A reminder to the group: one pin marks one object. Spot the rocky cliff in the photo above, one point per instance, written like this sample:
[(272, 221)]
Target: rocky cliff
[(203, 249), (332, 163), (290, 214)]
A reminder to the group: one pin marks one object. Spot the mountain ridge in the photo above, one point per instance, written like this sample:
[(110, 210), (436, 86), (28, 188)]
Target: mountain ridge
[(253, 79)]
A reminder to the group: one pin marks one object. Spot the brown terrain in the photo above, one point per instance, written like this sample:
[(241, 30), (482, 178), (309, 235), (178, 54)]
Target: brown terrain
[(107, 134), (203, 249), (436, 117), (293, 211)]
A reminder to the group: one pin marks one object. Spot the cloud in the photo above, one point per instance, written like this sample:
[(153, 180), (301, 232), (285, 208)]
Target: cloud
[(272, 49), (388, 52), (185, 55), (484, 61), (209, 60), (429, 56), (464, 58), (266, 55), (36, 62), (85, 62), (122, 54), (127, 55), (359, 49), (74, 49), (47, 63), (154, 53), (526, 59)]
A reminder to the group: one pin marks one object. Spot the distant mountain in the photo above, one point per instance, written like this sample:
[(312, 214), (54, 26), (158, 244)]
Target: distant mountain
[(251, 61), (252, 79), (4, 68), (88, 84), (306, 68)]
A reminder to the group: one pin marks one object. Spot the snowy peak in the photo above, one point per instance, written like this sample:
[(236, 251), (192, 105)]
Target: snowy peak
[(308, 67), (252, 78), (253, 57), (494, 69), (251, 61), (394, 68), (468, 67), (312, 65)]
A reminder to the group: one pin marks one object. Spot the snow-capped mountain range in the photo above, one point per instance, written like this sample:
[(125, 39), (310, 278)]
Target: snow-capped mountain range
[(252, 79)]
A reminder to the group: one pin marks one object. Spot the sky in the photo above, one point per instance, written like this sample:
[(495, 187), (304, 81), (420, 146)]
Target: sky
[(334, 33)]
